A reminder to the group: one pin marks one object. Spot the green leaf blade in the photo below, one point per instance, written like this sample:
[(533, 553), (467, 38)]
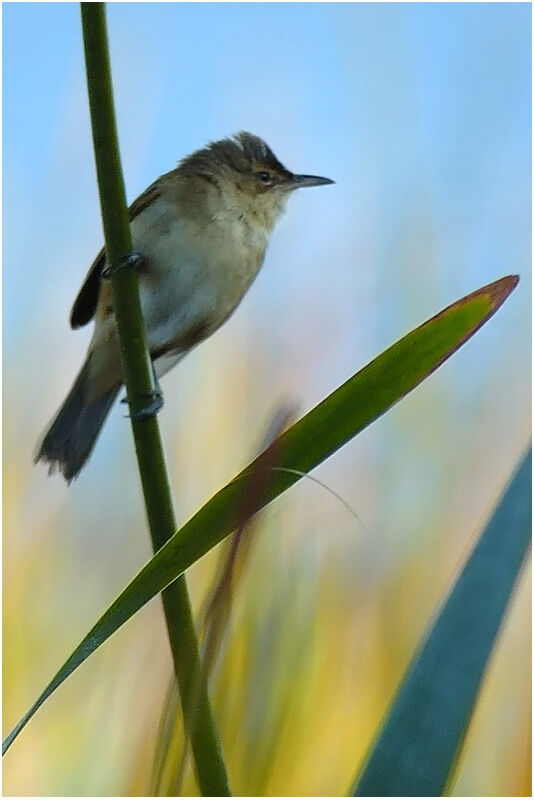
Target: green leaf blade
[(391, 376), (330, 425), (416, 750)]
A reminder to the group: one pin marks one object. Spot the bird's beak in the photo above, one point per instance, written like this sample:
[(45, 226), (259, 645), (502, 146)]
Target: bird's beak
[(300, 181)]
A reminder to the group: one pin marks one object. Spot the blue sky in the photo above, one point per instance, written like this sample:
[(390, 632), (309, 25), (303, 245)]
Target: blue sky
[(388, 99), (420, 113)]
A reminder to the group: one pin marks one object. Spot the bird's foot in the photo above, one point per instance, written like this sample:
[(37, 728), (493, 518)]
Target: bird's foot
[(151, 409), (132, 260)]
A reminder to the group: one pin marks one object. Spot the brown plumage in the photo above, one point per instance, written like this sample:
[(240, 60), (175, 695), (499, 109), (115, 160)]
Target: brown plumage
[(202, 230)]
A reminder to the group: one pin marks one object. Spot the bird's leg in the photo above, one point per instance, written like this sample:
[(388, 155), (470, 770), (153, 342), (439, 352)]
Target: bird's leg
[(156, 396), (132, 260)]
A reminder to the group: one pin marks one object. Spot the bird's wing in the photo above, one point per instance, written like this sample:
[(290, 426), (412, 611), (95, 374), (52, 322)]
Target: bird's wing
[(85, 304)]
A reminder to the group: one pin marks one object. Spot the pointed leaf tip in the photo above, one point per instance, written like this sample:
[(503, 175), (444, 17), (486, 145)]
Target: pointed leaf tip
[(494, 293), (498, 291)]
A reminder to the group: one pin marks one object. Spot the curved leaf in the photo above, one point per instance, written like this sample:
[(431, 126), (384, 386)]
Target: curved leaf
[(330, 425), (417, 748)]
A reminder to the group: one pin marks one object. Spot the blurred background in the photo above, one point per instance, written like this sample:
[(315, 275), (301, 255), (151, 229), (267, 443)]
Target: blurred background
[(421, 113)]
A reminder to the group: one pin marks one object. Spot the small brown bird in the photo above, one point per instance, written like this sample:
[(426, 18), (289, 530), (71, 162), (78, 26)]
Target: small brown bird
[(202, 231)]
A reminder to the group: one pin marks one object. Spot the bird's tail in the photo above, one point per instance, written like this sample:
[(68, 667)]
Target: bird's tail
[(68, 442)]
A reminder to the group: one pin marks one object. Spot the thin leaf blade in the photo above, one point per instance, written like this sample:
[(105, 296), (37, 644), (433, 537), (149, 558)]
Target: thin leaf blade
[(418, 745), (330, 425)]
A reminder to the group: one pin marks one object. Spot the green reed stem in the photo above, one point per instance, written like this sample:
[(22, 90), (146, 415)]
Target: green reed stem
[(137, 370)]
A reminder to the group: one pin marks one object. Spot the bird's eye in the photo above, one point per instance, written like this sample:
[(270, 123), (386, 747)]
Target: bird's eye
[(264, 176)]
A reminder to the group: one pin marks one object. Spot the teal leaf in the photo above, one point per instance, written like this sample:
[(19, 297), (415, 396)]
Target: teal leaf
[(417, 747)]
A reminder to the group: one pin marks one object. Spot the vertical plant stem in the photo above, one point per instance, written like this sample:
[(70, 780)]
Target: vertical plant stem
[(137, 370)]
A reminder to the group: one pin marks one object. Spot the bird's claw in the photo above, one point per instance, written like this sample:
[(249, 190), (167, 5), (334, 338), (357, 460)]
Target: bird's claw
[(132, 260), (149, 410)]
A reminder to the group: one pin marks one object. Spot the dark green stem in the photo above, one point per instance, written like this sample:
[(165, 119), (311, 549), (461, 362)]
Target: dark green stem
[(199, 722)]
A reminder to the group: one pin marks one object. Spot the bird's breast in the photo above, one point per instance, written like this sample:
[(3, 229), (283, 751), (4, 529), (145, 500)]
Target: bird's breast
[(196, 273)]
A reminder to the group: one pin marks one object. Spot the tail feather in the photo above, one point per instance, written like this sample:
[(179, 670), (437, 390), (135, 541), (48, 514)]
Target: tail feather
[(70, 439)]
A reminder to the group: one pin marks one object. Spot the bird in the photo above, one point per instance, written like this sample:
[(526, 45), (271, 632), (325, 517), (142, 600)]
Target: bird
[(201, 232)]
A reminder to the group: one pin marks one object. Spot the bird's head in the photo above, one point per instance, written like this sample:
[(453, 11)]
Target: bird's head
[(246, 173)]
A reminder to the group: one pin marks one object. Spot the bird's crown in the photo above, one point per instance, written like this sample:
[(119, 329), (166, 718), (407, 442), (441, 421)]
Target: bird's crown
[(243, 153)]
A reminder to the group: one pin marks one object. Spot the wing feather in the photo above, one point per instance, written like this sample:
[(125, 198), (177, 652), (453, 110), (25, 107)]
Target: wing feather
[(85, 304)]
